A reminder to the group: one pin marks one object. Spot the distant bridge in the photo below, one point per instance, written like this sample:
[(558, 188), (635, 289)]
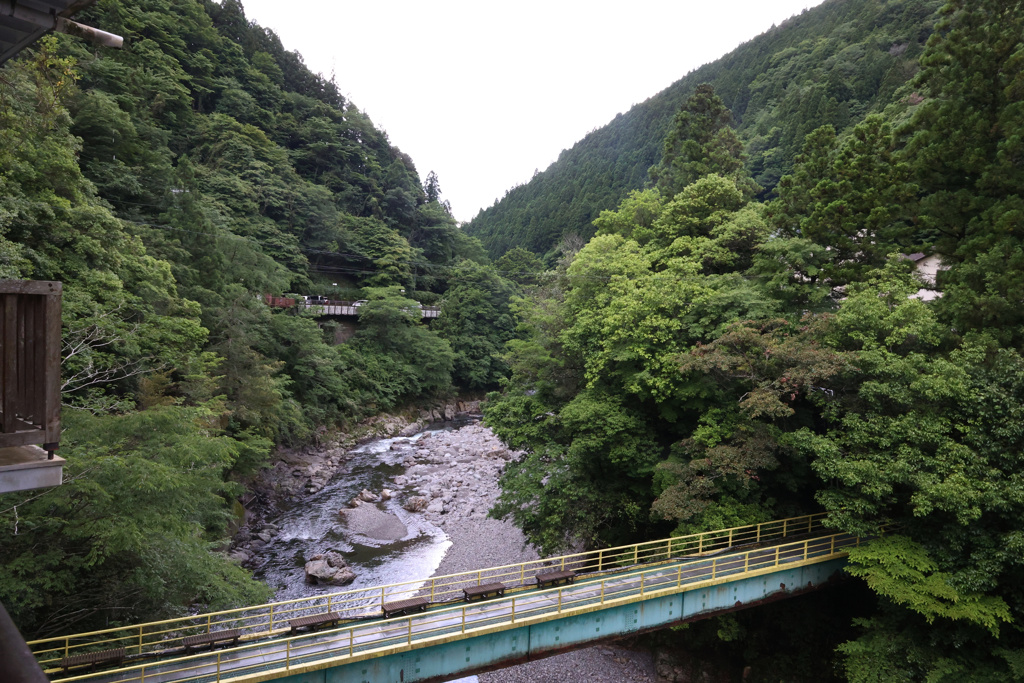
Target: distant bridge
[(323, 306), (618, 592)]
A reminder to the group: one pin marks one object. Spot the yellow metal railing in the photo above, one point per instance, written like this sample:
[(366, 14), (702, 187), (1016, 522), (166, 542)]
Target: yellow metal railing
[(367, 640), (271, 619)]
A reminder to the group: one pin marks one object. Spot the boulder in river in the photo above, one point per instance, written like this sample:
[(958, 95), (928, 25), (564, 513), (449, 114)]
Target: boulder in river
[(329, 568), (386, 494), (368, 496), (416, 504)]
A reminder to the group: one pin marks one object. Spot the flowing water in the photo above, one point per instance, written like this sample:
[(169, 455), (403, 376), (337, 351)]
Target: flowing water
[(314, 526)]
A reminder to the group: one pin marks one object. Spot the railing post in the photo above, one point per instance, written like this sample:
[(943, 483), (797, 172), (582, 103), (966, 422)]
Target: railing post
[(140, 639), (746, 563), (832, 546), (208, 625), (351, 641), (432, 582), (480, 577), (636, 553), (218, 667), (463, 623), (271, 617), (784, 522), (700, 544), (600, 559), (679, 577), (641, 585), (513, 610), (602, 591), (758, 533), (807, 547), (810, 523), (730, 538), (329, 598), (559, 600), (522, 574), (287, 654), (776, 556)]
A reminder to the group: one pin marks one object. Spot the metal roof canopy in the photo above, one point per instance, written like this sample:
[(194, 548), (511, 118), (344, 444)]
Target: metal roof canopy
[(22, 22)]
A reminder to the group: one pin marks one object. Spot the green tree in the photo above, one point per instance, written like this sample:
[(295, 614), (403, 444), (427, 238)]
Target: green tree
[(964, 142), (477, 322), (700, 141)]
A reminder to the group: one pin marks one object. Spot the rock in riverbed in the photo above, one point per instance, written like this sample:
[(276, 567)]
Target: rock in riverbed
[(329, 568)]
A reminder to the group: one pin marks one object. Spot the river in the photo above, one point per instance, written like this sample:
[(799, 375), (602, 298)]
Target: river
[(456, 468)]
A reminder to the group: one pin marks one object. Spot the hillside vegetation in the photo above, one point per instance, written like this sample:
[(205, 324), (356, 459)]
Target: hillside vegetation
[(830, 65), (170, 186), (710, 359)]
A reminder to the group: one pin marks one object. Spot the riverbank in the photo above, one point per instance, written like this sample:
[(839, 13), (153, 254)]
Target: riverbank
[(466, 463)]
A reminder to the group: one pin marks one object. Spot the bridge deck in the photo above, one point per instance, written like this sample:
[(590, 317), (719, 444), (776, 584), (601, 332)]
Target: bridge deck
[(594, 591)]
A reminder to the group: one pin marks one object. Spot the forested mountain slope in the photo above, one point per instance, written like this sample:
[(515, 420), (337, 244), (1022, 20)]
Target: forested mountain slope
[(830, 65), (709, 359), (169, 186)]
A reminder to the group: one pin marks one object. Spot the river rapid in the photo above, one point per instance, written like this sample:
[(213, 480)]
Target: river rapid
[(452, 469)]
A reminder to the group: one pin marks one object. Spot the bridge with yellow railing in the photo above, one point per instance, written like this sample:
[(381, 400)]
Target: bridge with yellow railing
[(617, 592)]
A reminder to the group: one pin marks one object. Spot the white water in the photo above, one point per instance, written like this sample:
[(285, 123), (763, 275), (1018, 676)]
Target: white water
[(314, 526)]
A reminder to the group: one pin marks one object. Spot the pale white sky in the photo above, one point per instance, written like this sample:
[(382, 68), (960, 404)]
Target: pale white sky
[(484, 92)]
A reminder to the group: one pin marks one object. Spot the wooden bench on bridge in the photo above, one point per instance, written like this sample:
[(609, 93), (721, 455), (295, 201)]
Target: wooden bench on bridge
[(212, 638), (93, 659), (483, 590), (397, 607), (315, 621), (555, 578)]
